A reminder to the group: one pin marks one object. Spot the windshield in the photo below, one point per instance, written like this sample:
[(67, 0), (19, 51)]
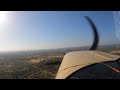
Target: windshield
[(33, 43)]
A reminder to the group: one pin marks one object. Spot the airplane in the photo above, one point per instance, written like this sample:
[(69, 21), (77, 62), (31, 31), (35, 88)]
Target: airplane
[(91, 64)]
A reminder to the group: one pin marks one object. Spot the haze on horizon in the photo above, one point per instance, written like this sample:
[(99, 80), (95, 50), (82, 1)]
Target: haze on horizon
[(34, 30)]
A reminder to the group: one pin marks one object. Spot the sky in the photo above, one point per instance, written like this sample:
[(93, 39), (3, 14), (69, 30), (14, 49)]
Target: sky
[(35, 30)]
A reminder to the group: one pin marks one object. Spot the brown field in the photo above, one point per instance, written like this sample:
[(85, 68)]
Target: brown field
[(34, 61), (37, 58)]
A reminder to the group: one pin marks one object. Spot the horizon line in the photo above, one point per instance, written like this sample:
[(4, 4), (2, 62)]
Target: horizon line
[(50, 48)]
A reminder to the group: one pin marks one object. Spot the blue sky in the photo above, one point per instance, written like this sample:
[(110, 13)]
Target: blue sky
[(29, 30)]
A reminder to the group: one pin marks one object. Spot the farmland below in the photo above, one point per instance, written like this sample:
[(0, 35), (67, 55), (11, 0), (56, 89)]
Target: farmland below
[(38, 64)]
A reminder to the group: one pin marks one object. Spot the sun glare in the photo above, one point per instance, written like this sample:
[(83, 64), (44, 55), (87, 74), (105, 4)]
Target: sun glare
[(3, 16)]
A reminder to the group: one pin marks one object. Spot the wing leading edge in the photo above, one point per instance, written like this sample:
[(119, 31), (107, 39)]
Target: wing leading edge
[(74, 61)]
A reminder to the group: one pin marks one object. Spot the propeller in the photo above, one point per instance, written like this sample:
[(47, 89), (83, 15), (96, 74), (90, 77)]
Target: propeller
[(95, 33)]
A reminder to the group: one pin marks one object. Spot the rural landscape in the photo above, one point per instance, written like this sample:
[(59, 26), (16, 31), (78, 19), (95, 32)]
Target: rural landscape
[(39, 64), (33, 43)]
